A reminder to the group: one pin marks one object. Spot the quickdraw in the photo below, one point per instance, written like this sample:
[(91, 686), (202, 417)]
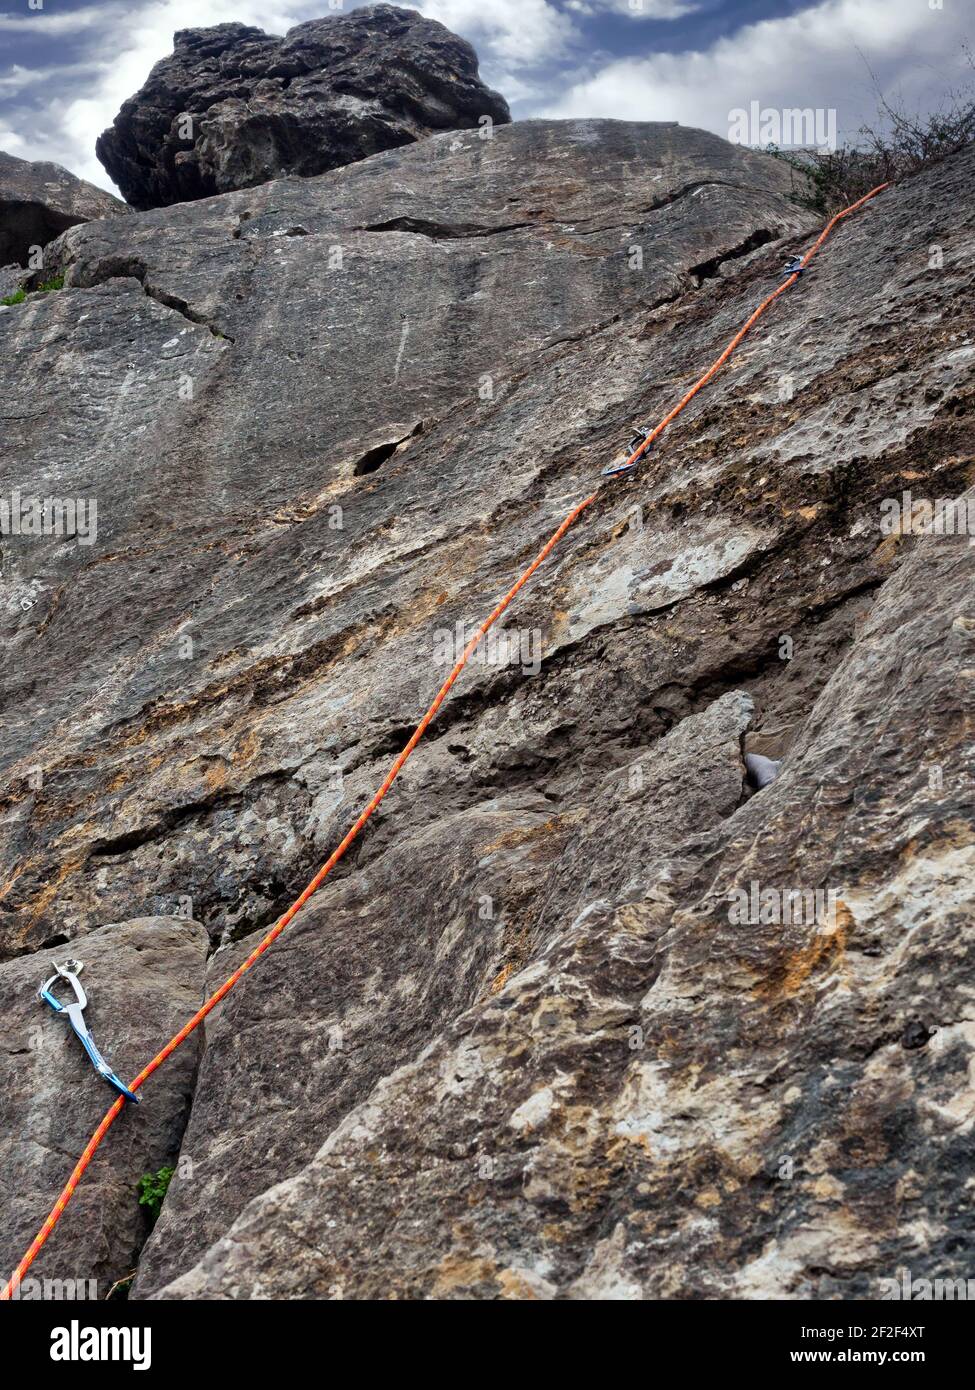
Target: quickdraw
[(639, 445), (75, 1014)]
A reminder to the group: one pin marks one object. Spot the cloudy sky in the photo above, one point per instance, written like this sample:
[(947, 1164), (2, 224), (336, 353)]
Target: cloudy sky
[(66, 65)]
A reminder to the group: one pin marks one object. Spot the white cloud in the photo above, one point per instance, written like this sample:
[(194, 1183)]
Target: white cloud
[(137, 35), (637, 9), (20, 79), (807, 59), (511, 86), (517, 32), (74, 22)]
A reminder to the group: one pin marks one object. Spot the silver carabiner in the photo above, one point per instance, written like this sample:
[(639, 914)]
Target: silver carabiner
[(75, 1014)]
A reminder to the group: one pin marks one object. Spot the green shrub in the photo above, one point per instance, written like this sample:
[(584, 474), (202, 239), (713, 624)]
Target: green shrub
[(45, 287), (900, 145), (152, 1190)]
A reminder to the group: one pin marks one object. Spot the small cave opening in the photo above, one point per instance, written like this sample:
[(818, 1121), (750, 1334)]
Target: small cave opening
[(375, 458), (26, 225)]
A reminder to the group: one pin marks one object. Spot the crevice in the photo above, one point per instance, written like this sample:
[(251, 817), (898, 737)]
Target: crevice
[(441, 231), (171, 301), (392, 743), (707, 270), (744, 795), (375, 457), (687, 190), (191, 810), (438, 230), (131, 268), (146, 834), (581, 336)]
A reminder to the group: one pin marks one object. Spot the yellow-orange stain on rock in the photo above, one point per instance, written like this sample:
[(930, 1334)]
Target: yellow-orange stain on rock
[(18, 873), (558, 625), (502, 978), (708, 1198), (132, 770), (515, 1285), (555, 825), (216, 776), (463, 1271), (827, 948), (413, 615), (554, 1234), (886, 550), (246, 750), (36, 908)]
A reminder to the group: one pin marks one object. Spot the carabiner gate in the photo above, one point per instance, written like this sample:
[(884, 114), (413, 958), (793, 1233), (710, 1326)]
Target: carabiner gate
[(75, 1014)]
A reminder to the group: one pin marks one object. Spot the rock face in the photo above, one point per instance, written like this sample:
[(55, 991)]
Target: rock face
[(143, 978), (38, 201), (234, 107), (253, 363), (527, 1042)]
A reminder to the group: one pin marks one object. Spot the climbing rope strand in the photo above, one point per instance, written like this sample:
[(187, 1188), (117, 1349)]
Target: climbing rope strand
[(719, 362), (112, 1114), (390, 778)]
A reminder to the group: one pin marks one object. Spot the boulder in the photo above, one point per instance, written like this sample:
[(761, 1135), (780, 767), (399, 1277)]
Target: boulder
[(143, 979), (38, 201), (233, 107)]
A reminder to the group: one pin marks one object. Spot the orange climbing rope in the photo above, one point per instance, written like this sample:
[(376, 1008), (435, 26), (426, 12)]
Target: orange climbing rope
[(720, 361), (111, 1115)]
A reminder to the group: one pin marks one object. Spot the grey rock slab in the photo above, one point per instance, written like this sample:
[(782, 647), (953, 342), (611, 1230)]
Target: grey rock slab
[(237, 384), (198, 704), (492, 861), (361, 985)]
